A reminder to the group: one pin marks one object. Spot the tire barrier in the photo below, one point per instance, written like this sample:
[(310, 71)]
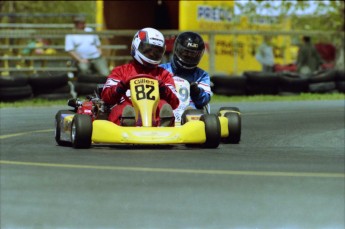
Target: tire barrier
[(224, 85), (50, 86), (340, 80), (262, 83), (86, 84), (14, 87), (57, 85), (253, 83), (292, 83)]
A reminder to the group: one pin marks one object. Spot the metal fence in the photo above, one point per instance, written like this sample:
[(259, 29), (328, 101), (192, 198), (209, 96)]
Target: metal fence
[(14, 36)]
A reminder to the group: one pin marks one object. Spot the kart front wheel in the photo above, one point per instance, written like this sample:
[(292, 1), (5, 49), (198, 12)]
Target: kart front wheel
[(212, 130), (58, 124), (234, 127), (81, 131)]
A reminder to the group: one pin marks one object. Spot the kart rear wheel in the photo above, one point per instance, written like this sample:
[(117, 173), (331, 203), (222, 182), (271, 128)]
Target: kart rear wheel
[(212, 130), (81, 131), (58, 121), (224, 109), (234, 128)]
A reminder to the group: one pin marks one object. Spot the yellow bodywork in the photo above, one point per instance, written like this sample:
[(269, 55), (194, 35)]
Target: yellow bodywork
[(224, 130), (108, 132), (145, 99)]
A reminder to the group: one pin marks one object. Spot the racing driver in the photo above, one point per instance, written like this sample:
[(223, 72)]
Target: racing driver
[(148, 47), (188, 50)]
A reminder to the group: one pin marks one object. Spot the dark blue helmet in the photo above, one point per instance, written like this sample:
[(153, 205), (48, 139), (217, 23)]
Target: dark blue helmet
[(188, 50)]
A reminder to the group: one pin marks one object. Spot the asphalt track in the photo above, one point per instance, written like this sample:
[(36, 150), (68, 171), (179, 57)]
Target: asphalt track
[(287, 172)]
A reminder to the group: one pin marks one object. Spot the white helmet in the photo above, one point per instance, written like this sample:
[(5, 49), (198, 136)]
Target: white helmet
[(148, 47)]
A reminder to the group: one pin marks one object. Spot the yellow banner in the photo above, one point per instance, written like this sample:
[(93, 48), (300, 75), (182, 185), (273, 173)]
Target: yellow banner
[(233, 54)]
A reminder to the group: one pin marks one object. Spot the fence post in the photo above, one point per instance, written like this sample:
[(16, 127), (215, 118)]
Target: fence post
[(212, 56)]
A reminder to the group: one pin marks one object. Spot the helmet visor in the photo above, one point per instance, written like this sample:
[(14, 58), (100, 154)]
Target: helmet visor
[(152, 52), (191, 57)]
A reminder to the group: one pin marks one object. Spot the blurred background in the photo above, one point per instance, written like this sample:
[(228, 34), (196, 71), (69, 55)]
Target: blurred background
[(218, 16), (33, 32)]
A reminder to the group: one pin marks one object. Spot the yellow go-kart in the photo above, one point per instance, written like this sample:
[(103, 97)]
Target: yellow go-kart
[(87, 124), (229, 117)]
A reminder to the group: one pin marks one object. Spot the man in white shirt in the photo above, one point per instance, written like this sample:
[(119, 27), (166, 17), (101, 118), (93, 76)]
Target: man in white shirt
[(85, 49), (265, 55)]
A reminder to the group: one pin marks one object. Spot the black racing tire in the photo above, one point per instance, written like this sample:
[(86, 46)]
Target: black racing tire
[(41, 81), (58, 90), (91, 78), (340, 75), (58, 127), (190, 112), (340, 85), (294, 85), (229, 85), (13, 81), (85, 88), (266, 83), (234, 128), (15, 93), (212, 130), (323, 87), (54, 96), (236, 109), (323, 76), (81, 131)]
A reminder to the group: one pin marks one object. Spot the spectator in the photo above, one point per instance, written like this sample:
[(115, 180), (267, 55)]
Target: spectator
[(265, 55), (148, 47), (308, 59), (188, 50), (85, 49)]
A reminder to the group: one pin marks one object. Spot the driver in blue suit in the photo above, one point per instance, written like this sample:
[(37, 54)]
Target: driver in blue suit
[(189, 48)]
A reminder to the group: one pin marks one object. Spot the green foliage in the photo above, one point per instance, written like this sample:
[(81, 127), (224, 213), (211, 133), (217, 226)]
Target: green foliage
[(328, 15), (46, 11)]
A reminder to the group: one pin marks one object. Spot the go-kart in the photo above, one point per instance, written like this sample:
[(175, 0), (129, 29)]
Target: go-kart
[(229, 117), (87, 124)]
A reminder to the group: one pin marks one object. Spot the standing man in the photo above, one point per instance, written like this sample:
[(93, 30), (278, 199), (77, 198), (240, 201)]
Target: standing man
[(265, 55), (85, 49), (308, 59)]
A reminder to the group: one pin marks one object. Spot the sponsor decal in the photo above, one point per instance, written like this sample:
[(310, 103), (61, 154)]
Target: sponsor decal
[(215, 14), (144, 81), (192, 45)]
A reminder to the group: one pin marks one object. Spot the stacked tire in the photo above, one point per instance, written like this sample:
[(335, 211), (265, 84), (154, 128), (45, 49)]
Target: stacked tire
[(323, 82), (264, 83), (340, 80), (51, 86), (292, 83), (87, 84), (14, 87), (229, 85)]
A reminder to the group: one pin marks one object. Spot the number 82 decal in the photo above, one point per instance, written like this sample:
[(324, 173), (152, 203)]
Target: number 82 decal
[(141, 93)]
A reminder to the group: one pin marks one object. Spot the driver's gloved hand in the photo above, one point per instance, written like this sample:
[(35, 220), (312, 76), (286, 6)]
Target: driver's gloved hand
[(195, 90), (119, 91), (121, 88), (162, 87)]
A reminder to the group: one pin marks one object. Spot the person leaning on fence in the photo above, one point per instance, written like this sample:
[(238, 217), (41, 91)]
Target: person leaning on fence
[(265, 55), (85, 49), (308, 58)]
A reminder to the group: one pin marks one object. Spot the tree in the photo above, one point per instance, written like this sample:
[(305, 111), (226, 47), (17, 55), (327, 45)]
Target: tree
[(45, 11)]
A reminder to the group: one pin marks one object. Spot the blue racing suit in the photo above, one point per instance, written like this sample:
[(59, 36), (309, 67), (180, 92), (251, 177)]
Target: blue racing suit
[(199, 76)]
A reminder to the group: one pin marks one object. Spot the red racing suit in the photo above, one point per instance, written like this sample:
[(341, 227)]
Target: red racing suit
[(124, 73)]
